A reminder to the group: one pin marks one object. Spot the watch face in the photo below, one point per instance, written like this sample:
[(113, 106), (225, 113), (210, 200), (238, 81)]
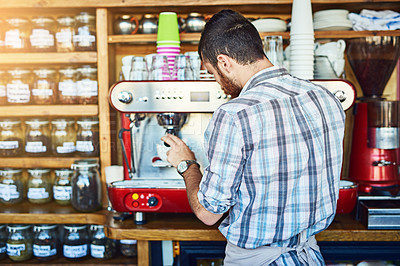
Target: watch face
[(182, 167)]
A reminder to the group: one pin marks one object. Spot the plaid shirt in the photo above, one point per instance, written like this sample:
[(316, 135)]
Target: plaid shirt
[(275, 156)]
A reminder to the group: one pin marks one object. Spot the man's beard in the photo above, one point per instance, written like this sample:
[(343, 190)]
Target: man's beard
[(229, 86)]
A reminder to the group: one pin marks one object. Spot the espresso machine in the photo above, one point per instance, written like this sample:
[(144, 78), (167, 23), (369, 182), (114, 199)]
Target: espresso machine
[(374, 159)]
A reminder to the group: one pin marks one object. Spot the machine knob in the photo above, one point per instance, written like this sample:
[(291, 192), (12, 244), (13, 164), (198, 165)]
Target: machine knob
[(125, 97), (341, 95), (153, 201)]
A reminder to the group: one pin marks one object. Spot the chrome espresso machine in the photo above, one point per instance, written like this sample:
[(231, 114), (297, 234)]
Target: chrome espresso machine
[(149, 110)]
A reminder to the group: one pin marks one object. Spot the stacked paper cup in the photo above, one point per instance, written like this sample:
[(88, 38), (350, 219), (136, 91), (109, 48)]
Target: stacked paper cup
[(302, 40), (168, 42)]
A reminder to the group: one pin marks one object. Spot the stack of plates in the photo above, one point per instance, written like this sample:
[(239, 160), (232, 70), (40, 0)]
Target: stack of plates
[(270, 25), (332, 19)]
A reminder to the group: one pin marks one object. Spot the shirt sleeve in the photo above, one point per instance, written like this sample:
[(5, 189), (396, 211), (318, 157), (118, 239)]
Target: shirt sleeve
[(224, 149)]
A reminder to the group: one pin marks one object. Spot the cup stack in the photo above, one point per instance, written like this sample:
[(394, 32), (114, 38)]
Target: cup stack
[(302, 40), (168, 41)]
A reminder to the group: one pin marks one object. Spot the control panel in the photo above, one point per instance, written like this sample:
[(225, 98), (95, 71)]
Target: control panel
[(143, 201)]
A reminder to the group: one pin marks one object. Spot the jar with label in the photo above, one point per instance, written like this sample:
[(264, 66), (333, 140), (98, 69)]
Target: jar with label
[(63, 137), (3, 84), (87, 88), (67, 89), (85, 32), (62, 187), (40, 187), (64, 34), (101, 247), (44, 86), (11, 186), (11, 138), (42, 35), (37, 137), (3, 241), (128, 247), (87, 139), (19, 242), (76, 242), (19, 86), (16, 38), (86, 186), (45, 241)]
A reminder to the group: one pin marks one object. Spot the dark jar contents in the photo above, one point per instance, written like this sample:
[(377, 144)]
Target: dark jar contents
[(19, 242), (40, 188), (45, 242), (62, 187), (3, 241), (37, 137), (67, 90), (87, 138), (64, 34), (128, 247), (17, 33), (86, 85), (3, 85), (76, 242), (42, 35), (11, 138), (19, 86), (85, 32), (63, 137), (101, 247), (86, 186), (11, 186), (44, 86)]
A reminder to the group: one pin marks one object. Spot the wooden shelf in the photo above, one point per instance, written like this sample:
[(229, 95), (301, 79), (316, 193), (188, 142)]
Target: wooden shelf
[(40, 162), (48, 110), (119, 260), (49, 58)]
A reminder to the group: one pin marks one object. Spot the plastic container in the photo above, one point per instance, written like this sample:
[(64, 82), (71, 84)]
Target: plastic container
[(85, 32), (11, 186), (87, 139), (40, 187), (19, 86), (45, 242), (86, 85), (42, 35), (44, 90), (76, 242), (19, 242), (37, 137), (64, 34), (63, 137), (17, 33), (62, 187), (101, 247), (11, 138), (67, 89)]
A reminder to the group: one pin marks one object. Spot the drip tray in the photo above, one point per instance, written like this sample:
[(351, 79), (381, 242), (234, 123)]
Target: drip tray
[(377, 214)]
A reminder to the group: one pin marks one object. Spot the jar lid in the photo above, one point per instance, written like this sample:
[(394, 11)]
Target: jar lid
[(44, 227), (87, 69), (66, 20), (149, 16), (16, 227), (87, 121), (42, 20), (86, 163), (84, 17), (9, 122), (36, 122), (63, 172), (62, 122), (74, 228), (67, 71), (128, 241), (195, 14), (96, 227), (6, 171), (44, 72), (18, 71), (16, 21), (38, 172)]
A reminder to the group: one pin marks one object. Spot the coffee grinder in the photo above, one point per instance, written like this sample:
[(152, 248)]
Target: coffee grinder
[(374, 160)]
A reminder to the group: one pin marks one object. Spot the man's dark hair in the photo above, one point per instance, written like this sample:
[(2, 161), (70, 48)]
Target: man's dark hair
[(231, 34)]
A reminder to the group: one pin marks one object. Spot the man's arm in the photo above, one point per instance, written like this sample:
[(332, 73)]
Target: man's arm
[(180, 151)]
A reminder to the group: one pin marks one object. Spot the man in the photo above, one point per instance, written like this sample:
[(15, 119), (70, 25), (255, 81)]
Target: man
[(275, 152)]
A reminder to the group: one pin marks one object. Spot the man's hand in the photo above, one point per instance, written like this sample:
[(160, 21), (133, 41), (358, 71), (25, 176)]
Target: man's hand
[(179, 150)]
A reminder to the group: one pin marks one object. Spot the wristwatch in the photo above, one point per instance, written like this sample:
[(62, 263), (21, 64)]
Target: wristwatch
[(184, 165)]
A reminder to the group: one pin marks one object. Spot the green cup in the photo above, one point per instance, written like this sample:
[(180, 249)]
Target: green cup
[(168, 29)]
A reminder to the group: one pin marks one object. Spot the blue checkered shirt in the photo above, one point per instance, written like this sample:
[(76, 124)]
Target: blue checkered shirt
[(275, 156)]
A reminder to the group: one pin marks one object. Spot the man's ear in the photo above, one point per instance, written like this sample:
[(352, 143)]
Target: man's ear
[(224, 63)]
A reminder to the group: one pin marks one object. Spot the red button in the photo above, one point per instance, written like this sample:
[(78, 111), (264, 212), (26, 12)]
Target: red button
[(135, 204)]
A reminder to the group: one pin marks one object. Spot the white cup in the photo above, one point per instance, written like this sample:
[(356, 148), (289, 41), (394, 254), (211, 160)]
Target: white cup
[(162, 152), (332, 50), (114, 173), (127, 60)]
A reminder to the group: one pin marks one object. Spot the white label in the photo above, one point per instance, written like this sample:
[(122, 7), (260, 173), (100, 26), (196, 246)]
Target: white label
[(41, 37), (8, 192), (84, 146), (42, 92), (43, 251), (12, 39), (67, 147), (35, 147), (75, 251), (18, 92), (128, 242), (64, 36), (8, 145), (3, 249), (62, 192), (97, 251), (67, 88), (2, 91), (86, 87), (15, 249), (37, 193), (83, 38)]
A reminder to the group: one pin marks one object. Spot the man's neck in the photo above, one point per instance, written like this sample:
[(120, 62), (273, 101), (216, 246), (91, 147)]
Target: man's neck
[(245, 72)]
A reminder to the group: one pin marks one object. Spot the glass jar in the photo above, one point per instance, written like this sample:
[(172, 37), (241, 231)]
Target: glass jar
[(86, 186), (67, 86), (85, 32), (62, 187), (63, 137), (86, 83), (42, 35), (64, 34), (3, 85), (11, 186), (76, 242), (40, 187), (19, 242), (128, 247), (3, 241), (101, 247), (87, 138), (11, 138), (2, 27), (37, 137), (45, 241), (44, 86), (19, 86), (17, 33)]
